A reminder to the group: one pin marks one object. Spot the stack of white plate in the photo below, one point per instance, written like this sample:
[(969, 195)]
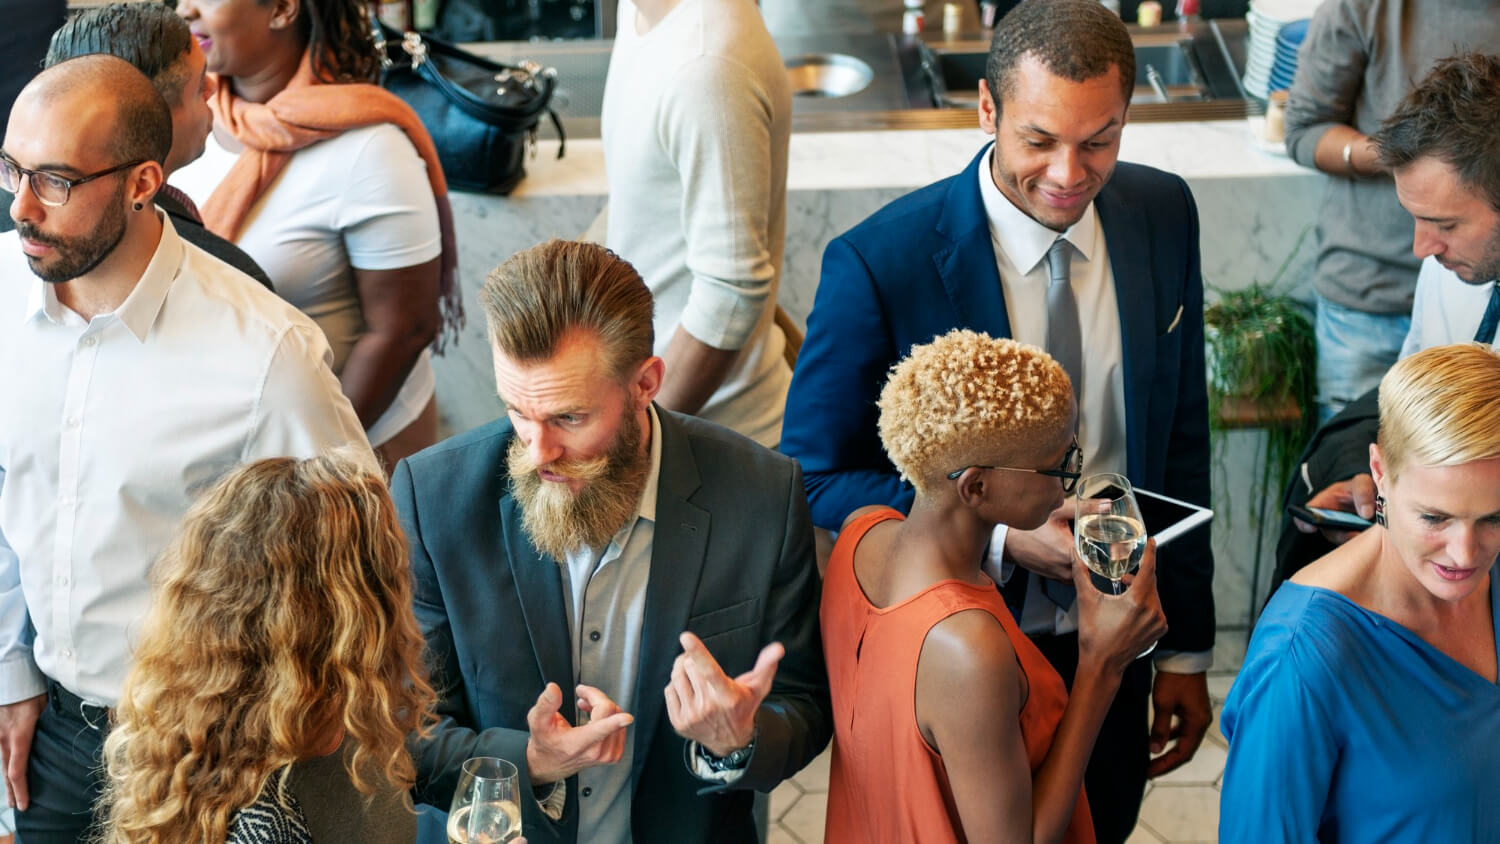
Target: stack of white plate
[(1266, 18)]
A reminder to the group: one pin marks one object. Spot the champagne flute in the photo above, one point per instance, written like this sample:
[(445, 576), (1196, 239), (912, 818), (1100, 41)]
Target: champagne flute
[(1108, 529), (486, 808)]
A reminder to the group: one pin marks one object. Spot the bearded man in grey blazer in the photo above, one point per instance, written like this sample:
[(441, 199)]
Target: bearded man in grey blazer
[(620, 600)]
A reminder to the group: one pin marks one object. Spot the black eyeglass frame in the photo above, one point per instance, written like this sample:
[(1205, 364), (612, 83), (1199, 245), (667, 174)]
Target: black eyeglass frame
[(1069, 478), (8, 163)]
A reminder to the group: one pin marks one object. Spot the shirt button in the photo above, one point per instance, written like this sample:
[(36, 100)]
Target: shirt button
[(64, 501), (587, 791), (62, 581), (67, 653), (72, 422), (594, 636), (87, 342)]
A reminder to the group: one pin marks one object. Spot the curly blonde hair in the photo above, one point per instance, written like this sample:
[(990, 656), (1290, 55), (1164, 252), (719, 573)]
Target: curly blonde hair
[(281, 611), (966, 398)]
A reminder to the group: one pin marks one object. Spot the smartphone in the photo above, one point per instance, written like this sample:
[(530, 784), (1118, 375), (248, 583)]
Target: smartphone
[(1331, 519)]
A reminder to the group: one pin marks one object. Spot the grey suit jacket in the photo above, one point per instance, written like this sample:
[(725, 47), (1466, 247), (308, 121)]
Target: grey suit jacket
[(732, 560)]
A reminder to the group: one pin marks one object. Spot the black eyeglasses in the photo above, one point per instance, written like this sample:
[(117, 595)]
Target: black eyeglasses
[(50, 188), (1069, 471)]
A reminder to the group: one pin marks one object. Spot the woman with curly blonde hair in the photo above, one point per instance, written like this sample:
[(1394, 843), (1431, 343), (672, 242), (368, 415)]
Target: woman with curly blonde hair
[(279, 670), (950, 725)]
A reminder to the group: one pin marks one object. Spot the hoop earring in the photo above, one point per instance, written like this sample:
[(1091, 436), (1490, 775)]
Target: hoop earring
[(139, 206), (1380, 510)]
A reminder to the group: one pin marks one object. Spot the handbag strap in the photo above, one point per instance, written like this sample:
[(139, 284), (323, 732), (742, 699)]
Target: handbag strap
[(418, 50)]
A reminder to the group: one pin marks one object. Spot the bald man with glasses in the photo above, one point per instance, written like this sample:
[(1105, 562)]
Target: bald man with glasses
[(135, 368)]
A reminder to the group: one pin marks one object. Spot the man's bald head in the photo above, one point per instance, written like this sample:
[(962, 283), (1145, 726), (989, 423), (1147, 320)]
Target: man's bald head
[(142, 123)]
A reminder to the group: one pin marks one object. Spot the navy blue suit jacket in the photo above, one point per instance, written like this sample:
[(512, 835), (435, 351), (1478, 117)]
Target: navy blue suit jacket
[(924, 265), (731, 560)]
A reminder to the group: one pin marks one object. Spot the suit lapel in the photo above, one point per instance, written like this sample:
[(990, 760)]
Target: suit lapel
[(539, 588), (679, 541), (967, 267), (1135, 298)]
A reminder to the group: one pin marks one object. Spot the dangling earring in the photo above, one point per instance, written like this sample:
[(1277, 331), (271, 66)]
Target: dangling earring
[(1380, 510), (139, 206)]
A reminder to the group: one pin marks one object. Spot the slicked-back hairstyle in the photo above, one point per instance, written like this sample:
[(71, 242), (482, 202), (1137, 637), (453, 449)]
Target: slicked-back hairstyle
[(966, 399), (1452, 115), (1077, 40), (143, 123), (148, 35), (1437, 408), (534, 299)]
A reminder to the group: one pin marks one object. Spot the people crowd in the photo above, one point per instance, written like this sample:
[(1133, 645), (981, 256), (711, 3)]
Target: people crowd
[(249, 595)]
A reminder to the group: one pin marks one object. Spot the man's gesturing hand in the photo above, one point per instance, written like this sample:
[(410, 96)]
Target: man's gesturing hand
[(707, 706), (558, 750), (17, 726)]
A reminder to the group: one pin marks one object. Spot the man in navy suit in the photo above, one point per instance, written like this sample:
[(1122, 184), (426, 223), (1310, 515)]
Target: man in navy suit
[(620, 600), (1045, 240)]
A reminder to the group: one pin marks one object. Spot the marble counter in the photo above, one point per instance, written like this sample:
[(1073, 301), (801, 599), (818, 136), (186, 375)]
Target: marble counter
[(1253, 206)]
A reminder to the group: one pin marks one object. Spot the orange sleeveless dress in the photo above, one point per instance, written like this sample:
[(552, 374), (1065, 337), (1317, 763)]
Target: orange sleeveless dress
[(887, 786)]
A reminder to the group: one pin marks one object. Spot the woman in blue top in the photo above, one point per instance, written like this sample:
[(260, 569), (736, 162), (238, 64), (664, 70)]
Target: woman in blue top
[(1367, 708)]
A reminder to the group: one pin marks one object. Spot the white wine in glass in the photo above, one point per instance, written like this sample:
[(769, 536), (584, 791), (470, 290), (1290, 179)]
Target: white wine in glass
[(1107, 527), (486, 809)]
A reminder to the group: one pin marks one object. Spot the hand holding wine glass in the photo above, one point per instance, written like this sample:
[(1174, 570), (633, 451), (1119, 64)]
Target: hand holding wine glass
[(1111, 541), (1119, 629)]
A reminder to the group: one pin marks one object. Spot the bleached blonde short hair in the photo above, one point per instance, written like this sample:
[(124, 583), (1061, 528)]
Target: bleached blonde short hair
[(967, 399), (1438, 408)]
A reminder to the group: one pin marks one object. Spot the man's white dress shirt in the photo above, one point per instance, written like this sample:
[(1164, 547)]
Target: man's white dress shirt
[(111, 426), (1021, 244)]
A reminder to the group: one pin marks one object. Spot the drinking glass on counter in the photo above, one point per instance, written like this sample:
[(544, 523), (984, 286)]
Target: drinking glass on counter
[(486, 807)]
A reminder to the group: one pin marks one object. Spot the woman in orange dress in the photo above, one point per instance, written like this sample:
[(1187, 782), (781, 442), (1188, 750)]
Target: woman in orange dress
[(949, 724)]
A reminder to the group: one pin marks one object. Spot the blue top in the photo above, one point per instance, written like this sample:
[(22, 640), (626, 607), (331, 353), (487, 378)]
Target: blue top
[(1345, 726)]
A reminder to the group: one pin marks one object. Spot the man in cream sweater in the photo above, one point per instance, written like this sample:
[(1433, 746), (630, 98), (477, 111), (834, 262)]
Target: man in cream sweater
[(697, 116)]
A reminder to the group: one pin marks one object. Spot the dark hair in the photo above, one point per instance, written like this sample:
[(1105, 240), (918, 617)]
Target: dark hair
[(1075, 39), (339, 36), (1453, 115), (148, 35), (542, 293)]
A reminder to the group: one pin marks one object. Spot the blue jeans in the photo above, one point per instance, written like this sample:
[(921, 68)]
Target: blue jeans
[(1354, 351)]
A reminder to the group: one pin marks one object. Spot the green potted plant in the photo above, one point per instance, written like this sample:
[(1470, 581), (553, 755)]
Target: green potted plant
[(1262, 358)]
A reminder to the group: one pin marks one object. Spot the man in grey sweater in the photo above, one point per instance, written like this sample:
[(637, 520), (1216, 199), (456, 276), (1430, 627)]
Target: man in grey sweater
[(696, 121), (1359, 59)]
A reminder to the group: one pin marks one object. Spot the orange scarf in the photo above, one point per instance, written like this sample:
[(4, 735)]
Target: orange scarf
[(301, 114)]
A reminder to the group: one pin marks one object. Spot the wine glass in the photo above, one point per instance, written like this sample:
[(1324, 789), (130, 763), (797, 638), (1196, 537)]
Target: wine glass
[(486, 809), (1108, 530)]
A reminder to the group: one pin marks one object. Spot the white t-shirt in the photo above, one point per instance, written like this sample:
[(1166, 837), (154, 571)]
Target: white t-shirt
[(696, 123), (360, 199)]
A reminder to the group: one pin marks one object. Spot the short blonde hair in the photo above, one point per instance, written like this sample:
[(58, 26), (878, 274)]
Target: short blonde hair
[(966, 398), (1441, 407)]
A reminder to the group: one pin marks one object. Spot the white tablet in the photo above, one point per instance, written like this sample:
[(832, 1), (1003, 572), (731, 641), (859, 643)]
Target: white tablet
[(1166, 518)]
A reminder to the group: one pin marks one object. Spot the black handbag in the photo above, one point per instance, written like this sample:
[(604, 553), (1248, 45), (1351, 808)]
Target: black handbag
[(480, 113)]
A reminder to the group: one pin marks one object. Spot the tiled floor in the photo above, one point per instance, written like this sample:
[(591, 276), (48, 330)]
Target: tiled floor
[(1180, 808)]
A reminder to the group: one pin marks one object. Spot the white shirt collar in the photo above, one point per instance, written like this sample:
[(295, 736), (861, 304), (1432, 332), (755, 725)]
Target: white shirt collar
[(139, 310), (1024, 240)]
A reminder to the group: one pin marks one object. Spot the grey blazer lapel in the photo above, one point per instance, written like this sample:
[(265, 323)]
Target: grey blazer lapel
[(539, 588), (678, 545)]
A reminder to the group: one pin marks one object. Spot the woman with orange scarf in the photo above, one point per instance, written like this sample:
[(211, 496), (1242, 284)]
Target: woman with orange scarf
[(333, 186)]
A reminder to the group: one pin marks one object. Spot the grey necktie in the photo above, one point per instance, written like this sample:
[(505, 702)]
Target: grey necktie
[(1065, 345), (1064, 337)]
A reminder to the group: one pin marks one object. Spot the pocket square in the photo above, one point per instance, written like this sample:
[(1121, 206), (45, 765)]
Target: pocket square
[(1175, 319)]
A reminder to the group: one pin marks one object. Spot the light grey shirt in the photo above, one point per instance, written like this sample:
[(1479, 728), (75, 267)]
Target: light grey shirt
[(1359, 59), (605, 593)]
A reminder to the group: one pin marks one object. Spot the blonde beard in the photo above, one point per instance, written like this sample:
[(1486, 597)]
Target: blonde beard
[(558, 520)]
